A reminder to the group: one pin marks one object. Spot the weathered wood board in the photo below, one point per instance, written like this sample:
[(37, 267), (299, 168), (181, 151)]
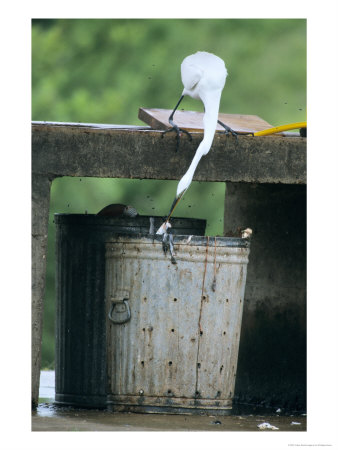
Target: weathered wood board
[(193, 120)]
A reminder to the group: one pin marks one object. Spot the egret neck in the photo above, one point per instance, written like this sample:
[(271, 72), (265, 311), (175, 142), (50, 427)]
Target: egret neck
[(211, 105)]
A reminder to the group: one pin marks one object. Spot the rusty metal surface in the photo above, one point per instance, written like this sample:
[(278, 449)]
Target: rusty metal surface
[(80, 350), (179, 349)]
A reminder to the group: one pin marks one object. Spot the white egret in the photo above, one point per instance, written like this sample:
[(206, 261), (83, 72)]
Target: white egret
[(203, 76)]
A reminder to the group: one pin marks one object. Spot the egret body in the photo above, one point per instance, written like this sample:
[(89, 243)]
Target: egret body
[(203, 76)]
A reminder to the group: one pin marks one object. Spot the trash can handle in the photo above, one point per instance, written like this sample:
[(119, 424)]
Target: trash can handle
[(114, 318)]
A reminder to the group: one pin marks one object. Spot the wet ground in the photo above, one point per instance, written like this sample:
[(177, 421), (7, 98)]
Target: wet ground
[(49, 417)]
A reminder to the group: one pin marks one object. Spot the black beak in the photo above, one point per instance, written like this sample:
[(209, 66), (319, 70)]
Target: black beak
[(173, 206)]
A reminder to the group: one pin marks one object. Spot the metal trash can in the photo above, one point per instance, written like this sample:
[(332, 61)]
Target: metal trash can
[(81, 320), (174, 329)]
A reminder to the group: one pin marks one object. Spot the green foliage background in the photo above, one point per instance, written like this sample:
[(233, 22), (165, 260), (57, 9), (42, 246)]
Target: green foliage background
[(103, 70)]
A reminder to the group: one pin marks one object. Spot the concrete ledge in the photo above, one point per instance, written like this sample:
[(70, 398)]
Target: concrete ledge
[(84, 150)]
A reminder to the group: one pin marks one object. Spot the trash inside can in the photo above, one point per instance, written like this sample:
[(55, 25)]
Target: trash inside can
[(81, 319), (174, 330)]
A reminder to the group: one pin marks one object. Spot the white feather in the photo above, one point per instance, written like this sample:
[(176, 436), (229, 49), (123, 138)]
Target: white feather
[(203, 76)]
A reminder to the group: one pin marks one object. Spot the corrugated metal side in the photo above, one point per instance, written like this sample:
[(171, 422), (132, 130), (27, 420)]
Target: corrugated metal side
[(80, 356), (183, 336), (81, 341)]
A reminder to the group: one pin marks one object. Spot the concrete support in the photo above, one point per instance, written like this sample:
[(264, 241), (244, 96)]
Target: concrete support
[(40, 207), (272, 356)]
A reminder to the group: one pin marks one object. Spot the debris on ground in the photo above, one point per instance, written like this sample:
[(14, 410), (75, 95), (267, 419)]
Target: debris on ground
[(216, 422), (267, 426)]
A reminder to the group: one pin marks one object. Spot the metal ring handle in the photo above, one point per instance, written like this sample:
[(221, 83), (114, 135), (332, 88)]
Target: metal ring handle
[(122, 320)]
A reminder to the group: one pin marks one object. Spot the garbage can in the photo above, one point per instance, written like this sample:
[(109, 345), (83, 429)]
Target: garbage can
[(174, 329), (81, 319)]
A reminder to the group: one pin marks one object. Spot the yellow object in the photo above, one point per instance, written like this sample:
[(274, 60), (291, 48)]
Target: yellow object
[(290, 126)]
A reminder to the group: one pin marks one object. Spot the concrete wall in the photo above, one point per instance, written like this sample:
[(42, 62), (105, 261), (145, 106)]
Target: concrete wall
[(272, 356), (40, 210)]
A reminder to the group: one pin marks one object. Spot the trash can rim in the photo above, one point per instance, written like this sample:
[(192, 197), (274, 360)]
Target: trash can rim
[(181, 239), (88, 217)]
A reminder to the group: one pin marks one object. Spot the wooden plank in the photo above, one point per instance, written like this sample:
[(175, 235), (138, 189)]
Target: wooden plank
[(92, 125), (193, 120)]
